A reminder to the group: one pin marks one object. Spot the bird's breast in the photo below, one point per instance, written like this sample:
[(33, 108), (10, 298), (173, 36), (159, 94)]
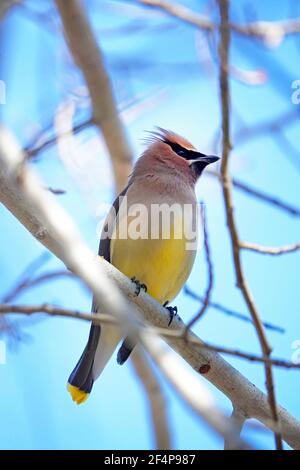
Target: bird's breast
[(155, 239)]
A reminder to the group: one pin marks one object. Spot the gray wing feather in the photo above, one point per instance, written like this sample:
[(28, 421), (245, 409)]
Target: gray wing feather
[(82, 375)]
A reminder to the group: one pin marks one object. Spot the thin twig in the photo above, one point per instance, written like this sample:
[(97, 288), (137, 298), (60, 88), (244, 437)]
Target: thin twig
[(181, 13), (229, 312), (272, 200), (56, 191), (269, 250), (261, 195), (224, 46), (41, 142), (28, 284), (25, 277), (270, 126), (177, 335), (271, 32), (88, 56), (210, 274)]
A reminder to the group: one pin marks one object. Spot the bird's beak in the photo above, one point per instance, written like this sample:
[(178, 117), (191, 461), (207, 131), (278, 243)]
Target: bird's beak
[(204, 159)]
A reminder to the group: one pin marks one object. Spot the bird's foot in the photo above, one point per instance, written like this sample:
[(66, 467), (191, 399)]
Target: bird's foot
[(138, 286), (172, 312)]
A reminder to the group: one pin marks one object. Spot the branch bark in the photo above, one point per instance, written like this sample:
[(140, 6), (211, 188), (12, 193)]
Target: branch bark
[(210, 365), (88, 56), (271, 32), (80, 260), (171, 335), (224, 47), (269, 250)]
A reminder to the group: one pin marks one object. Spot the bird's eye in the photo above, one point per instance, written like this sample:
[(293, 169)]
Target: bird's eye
[(182, 152)]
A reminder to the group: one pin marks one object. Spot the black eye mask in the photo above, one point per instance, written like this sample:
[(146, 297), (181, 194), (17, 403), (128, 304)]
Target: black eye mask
[(185, 153)]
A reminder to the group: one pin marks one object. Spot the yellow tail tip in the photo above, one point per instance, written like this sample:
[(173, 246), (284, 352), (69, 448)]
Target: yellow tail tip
[(79, 396)]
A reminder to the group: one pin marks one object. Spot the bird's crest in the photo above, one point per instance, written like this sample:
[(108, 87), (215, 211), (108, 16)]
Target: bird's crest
[(168, 137)]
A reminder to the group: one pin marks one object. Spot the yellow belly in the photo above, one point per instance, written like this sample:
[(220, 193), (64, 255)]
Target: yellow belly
[(163, 264)]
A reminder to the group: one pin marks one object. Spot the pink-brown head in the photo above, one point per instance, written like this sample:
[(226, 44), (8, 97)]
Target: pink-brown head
[(170, 153)]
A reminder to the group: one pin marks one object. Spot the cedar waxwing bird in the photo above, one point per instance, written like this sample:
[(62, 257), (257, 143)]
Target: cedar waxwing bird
[(156, 256)]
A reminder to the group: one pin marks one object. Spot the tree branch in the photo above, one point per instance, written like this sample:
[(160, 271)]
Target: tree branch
[(229, 312), (89, 58), (261, 195), (224, 46), (207, 296), (238, 419), (25, 203), (112, 290), (268, 250), (181, 13), (271, 32), (174, 335)]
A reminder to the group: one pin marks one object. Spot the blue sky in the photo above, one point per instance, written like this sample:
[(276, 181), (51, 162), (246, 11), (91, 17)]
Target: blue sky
[(158, 69)]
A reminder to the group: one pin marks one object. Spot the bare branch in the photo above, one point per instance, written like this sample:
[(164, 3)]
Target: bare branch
[(271, 32), (27, 200), (29, 283), (273, 125), (87, 54), (181, 13), (261, 195), (230, 312), (238, 419), (175, 335), (272, 200), (192, 390), (77, 256), (268, 250), (224, 46), (6, 5), (41, 142), (209, 288), (156, 399)]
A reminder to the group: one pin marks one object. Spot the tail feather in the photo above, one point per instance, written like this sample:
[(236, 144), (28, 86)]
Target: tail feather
[(101, 344), (125, 350), (81, 380)]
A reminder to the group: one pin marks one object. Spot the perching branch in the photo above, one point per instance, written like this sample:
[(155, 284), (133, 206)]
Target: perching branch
[(112, 290), (22, 203), (89, 58)]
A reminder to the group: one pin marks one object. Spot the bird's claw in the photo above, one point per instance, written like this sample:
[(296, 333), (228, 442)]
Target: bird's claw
[(138, 285), (172, 312)]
